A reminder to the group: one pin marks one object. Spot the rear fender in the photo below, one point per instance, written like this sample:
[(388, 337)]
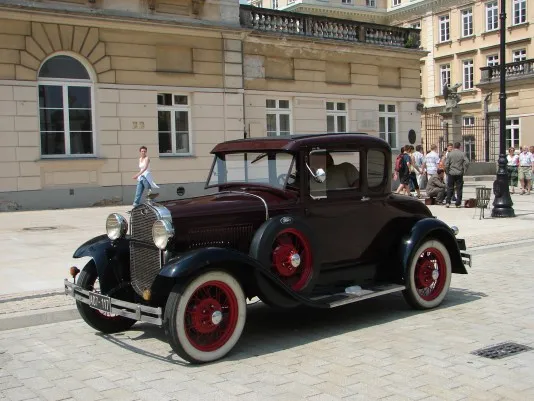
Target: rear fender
[(103, 251), (431, 227)]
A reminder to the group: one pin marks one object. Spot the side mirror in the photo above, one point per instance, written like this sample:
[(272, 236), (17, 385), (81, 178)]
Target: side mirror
[(320, 175)]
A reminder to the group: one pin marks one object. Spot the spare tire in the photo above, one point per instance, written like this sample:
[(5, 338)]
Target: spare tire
[(283, 245)]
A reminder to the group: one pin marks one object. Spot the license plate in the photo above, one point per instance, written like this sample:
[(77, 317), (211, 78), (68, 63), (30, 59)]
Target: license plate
[(100, 302)]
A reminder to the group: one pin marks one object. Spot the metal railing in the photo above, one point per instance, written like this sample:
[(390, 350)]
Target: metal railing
[(519, 69), (284, 22)]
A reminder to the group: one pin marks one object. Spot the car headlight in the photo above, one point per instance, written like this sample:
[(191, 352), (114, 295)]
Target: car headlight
[(116, 226), (162, 232)]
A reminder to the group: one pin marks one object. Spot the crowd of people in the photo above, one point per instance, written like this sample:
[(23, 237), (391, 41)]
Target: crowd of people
[(520, 165), (442, 176)]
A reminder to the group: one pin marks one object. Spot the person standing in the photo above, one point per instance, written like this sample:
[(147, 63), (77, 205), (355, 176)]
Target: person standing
[(144, 177), (456, 164), (404, 172), (430, 165), (525, 170), (436, 187), (414, 170), (419, 158), (513, 163)]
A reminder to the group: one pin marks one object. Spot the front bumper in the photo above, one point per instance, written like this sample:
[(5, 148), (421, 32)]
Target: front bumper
[(466, 258), (141, 313)]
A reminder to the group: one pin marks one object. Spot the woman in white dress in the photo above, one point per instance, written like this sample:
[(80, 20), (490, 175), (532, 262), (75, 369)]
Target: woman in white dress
[(144, 177)]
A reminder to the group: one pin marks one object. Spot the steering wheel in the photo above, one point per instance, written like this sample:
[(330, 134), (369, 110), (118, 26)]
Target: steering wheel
[(291, 180)]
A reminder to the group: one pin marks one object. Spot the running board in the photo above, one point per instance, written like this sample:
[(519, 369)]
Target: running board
[(343, 298)]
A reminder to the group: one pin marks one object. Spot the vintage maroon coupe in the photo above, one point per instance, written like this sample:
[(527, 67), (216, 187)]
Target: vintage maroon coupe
[(297, 220)]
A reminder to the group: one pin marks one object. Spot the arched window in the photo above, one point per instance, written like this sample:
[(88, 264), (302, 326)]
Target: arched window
[(65, 108)]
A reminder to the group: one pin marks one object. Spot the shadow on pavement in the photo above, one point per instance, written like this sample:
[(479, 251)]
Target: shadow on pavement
[(270, 330)]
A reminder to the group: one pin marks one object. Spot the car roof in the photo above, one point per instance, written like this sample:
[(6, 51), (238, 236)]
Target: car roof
[(297, 141)]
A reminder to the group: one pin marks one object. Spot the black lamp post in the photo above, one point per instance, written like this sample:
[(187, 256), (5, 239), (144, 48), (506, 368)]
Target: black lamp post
[(502, 204)]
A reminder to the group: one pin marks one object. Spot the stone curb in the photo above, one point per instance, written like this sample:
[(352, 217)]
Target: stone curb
[(37, 318)]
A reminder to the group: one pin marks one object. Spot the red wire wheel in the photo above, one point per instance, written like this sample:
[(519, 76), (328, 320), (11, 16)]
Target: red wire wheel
[(211, 316), (204, 318), (430, 274), (292, 258)]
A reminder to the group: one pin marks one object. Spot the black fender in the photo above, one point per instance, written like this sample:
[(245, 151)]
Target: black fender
[(103, 250), (435, 228), (241, 265)]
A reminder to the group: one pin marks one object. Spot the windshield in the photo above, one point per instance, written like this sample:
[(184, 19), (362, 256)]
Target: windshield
[(267, 168)]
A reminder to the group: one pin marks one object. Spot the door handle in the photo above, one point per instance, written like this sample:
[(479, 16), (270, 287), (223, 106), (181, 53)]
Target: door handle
[(365, 198)]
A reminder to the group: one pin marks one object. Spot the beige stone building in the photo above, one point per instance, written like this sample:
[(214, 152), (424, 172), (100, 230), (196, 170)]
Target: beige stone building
[(83, 84), (462, 40)]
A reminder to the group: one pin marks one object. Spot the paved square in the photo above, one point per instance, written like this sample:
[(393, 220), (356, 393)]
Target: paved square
[(375, 349)]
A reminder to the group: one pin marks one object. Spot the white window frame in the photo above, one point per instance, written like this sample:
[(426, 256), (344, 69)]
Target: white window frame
[(370, 3), (492, 60), (514, 125), (173, 109), (277, 111), (386, 115), (470, 147), (492, 16), (519, 12), (468, 121), (346, 2), (65, 83), (396, 3), (444, 28), (444, 76), (337, 113), (274, 4), (468, 74), (519, 55), (416, 25), (467, 22)]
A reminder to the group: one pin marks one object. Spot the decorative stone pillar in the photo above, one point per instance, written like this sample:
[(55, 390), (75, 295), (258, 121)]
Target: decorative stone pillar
[(454, 121)]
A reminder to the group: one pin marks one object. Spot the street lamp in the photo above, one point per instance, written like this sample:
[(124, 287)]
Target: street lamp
[(502, 204)]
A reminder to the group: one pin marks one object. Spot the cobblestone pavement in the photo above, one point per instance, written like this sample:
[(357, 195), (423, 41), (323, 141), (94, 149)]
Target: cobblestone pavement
[(375, 349)]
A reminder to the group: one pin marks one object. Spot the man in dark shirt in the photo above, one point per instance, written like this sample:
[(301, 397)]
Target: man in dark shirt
[(435, 188), (456, 164)]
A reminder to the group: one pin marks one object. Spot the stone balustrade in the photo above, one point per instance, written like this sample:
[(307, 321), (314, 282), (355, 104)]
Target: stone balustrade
[(283, 22), (517, 70)]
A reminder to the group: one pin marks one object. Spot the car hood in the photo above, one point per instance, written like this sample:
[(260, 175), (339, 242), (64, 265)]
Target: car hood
[(226, 202)]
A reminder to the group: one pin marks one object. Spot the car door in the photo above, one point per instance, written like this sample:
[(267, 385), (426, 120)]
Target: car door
[(338, 213)]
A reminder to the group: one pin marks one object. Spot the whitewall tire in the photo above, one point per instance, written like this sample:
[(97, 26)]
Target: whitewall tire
[(428, 275), (204, 318)]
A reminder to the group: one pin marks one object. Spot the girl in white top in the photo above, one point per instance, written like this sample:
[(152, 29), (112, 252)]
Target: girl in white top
[(144, 177)]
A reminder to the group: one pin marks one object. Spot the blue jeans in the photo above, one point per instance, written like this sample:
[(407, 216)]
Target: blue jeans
[(142, 184)]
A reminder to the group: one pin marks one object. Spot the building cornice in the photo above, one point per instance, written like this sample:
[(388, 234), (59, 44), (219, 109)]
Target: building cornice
[(415, 10), (353, 13), (27, 9)]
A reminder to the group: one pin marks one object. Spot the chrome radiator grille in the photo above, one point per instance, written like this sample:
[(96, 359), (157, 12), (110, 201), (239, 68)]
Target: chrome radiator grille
[(145, 259)]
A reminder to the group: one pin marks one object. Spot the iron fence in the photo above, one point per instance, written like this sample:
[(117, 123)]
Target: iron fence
[(480, 140)]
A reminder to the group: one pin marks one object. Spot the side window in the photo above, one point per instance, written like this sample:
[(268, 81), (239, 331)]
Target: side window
[(342, 170), (376, 163)]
